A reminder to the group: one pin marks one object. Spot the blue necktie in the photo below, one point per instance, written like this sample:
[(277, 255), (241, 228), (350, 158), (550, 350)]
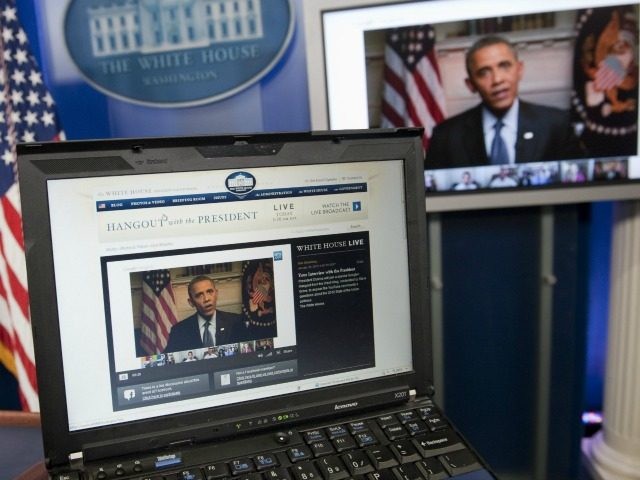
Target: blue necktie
[(499, 154), (207, 339)]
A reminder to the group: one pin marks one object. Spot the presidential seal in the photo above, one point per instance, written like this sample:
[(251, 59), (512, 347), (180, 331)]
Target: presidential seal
[(258, 296), (605, 96)]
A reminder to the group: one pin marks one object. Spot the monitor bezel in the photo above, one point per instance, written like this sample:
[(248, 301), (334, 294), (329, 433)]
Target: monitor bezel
[(318, 60)]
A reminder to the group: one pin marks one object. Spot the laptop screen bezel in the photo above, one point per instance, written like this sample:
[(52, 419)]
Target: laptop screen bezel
[(39, 163)]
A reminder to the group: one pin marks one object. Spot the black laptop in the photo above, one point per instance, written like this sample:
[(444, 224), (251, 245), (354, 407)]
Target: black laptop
[(250, 307)]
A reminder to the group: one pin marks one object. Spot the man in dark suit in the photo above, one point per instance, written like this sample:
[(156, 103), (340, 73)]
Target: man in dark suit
[(208, 326), (502, 129)]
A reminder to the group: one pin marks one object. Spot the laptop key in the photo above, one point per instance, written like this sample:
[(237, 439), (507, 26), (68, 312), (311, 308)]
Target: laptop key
[(365, 439), (277, 474), (358, 427), (265, 461), (191, 474), (395, 432), (409, 472), (436, 422), (216, 470), (241, 466), (313, 436), (322, 448), (437, 443), (336, 431), (382, 458), (298, 454), (344, 443), (408, 416), (305, 471), (405, 451), (461, 461), (382, 475), (332, 468), (358, 462), (386, 420), (432, 469), (425, 412), (417, 427)]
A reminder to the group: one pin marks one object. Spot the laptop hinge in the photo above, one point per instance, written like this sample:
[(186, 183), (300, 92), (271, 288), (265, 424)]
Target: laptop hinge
[(76, 460)]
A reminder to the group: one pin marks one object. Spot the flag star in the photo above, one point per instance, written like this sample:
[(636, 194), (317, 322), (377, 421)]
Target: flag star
[(9, 14), (3, 96), (16, 97), (7, 55), (35, 78), (48, 99), (18, 77), (33, 98), (7, 157), (1, 117), (15, 117), (28, 136), (21, 56), (31, 118), (7, 34), (22, 37), (47, 119)]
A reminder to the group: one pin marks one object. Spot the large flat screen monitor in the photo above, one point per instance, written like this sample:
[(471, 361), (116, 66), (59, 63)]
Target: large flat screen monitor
[(572, 64)]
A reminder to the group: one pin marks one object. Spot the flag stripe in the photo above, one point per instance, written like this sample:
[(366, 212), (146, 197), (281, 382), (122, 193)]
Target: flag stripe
[(412, 92), (13, 219), (18, 291), (403, 88), (158, 311)]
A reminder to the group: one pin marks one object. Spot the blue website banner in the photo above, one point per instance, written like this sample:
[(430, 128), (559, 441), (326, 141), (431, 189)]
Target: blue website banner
[(219, 197)]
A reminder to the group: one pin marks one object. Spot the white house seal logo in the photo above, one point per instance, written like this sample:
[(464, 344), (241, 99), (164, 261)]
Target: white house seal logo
[(240, 183), (176, 52)]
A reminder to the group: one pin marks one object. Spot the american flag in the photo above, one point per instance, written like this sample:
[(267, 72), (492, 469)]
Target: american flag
[(158, 311), (611, 73), (26, 115), (260, 294), (413, 94)]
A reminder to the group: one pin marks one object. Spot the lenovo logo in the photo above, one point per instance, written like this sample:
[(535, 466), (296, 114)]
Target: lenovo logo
[(342, 406)]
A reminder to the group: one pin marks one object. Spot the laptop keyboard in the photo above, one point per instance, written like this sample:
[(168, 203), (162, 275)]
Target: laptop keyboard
[(407, 444)]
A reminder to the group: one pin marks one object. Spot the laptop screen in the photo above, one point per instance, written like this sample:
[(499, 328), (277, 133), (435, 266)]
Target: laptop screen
[(180, 291)]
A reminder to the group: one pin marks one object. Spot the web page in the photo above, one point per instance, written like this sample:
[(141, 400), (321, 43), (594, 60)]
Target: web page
[(235, 285)]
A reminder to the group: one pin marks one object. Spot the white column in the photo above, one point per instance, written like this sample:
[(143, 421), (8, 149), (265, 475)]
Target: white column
[(614, 452)]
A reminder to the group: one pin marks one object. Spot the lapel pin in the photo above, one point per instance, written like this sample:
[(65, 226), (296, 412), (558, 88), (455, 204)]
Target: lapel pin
[(527, 135)]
